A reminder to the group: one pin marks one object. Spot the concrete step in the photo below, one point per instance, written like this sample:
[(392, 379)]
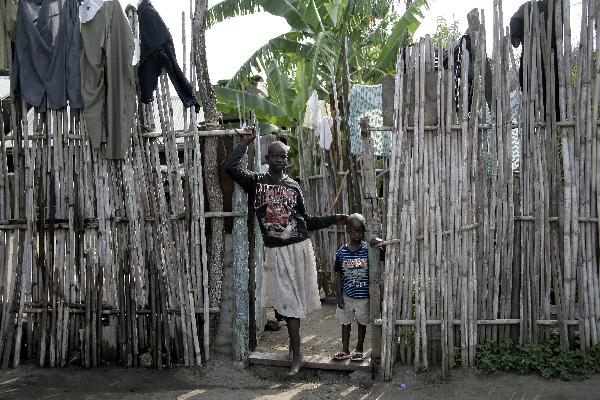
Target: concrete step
[(315, 362)]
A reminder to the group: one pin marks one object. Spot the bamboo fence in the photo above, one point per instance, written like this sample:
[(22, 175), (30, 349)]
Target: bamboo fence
[(325, 184), (110, 259), (334, 180), (478, 251), (105, 261)]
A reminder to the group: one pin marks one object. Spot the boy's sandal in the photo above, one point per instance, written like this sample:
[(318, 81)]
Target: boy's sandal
[(357, 356), (342, 355)]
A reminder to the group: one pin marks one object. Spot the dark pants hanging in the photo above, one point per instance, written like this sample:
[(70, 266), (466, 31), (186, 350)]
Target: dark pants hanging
[(151, 68)]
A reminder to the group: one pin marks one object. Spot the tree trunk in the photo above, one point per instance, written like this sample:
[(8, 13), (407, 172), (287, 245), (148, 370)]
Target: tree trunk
[(211, 173), (353, 179)]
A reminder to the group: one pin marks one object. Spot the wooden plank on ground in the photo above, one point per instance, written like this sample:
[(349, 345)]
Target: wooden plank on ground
[(314, 362)]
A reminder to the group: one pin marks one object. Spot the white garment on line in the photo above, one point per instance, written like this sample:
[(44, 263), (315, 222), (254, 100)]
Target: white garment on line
[(88, 9), (325, 136), (315, 109), (317, 117)]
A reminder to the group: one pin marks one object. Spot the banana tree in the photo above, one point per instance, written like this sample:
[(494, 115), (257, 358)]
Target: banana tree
[(309, 58), (306, 58)]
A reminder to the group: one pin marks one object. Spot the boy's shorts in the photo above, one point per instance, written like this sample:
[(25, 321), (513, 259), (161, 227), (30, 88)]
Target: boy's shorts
[(354, 308)]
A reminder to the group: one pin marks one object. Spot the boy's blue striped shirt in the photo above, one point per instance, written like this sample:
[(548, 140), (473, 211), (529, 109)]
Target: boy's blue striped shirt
[(354, 266)]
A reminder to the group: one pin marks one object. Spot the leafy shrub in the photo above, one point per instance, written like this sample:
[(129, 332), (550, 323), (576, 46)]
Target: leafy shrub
[(547, 360)]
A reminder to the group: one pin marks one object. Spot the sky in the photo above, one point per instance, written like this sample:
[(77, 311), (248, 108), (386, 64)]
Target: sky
[(230, 43)]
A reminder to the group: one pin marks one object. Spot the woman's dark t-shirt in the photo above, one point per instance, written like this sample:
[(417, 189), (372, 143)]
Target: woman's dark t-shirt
[(278, 204)]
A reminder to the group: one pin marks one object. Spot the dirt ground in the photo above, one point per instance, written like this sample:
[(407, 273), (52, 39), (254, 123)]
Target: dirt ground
[(321, 334), (223, 379)]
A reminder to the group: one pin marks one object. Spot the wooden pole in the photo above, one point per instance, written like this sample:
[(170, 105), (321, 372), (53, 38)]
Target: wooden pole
[(202, 223), (214, 192), (240, 275)]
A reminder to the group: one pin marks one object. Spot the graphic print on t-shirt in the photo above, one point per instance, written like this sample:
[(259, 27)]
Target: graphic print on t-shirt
[(280, 202), (356, 272)]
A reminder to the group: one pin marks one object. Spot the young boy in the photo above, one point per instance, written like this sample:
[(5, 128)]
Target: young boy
[(290, 270), (352, 286)]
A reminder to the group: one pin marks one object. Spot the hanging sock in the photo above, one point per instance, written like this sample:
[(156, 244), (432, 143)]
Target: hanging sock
[(157, 52)]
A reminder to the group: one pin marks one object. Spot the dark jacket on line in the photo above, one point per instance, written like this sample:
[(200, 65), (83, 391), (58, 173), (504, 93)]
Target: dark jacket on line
[(157, 52), (47, 49)]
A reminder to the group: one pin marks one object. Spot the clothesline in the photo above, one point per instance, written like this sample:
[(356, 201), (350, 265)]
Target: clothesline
[(82, 56)]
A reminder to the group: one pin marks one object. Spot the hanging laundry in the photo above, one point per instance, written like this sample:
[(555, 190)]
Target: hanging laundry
[(88, 9), (325, 136), (108, 84), (366, 101), (157, 52), (8, 22), (315, 110), (515, 107), (317, 117), (131, 13), (45, 67)]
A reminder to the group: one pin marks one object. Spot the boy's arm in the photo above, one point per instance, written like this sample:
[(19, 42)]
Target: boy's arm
[(316, 223), (378, 243), (244, 177)]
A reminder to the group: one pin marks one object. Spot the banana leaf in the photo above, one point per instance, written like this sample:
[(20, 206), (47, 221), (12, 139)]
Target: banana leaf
[(286, 44), (402, 30), (232, 101), (235, 8)]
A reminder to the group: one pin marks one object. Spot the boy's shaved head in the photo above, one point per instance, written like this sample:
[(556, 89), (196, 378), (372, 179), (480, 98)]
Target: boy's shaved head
[(357, 218), (276, 146), (277, 157)]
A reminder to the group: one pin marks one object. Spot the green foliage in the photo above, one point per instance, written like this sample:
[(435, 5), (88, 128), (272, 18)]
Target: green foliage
[(280, 88), (230, 8), (547, 360), (457, 357), (333, 12), (402, 32), (292, 141), (267, 55), (229, 100), (306, 58), (282, 8), (420, 368), (406, 335), (445, 33)]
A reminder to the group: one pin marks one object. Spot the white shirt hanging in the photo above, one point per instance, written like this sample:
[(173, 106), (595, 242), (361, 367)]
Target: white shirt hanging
[(88, 9), (317, 118), (325, 136), (313, 112)]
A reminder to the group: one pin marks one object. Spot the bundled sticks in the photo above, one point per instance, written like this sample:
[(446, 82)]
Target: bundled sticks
[(104, 261), (480, 248)]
